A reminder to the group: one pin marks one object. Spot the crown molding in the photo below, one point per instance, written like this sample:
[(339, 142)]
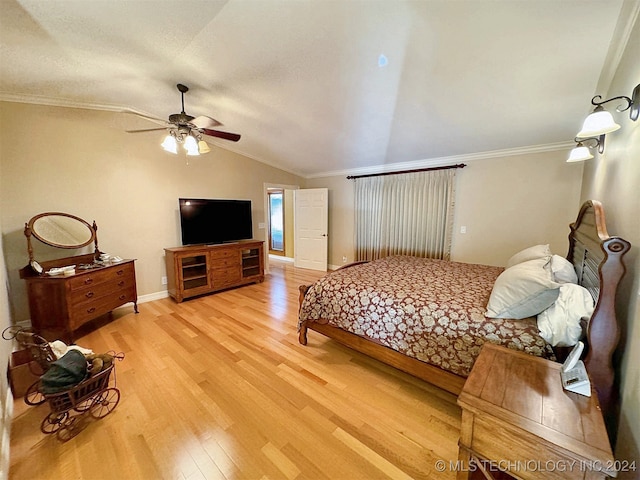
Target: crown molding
[(61, 102), (416, 164), (444, 161)]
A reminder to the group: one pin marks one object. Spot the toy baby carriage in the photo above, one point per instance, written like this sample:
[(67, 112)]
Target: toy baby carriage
[(72, 390), (41, 356)]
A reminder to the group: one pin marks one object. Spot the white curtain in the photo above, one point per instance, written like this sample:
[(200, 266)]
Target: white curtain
[(405, 214)]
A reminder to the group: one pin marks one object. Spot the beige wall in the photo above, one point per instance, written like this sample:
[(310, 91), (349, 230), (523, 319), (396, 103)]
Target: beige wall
[(506, 204), (614, 179), (82, 162)]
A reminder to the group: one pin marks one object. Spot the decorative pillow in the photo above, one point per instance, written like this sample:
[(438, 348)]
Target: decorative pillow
[(560, 323), (524, 290), (563, 271), (531, 253)]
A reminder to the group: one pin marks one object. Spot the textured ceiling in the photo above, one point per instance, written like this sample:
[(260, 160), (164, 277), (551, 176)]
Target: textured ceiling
[(324, 85)]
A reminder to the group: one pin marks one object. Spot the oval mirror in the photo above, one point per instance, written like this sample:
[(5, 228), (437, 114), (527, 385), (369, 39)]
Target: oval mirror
[(61, 230)]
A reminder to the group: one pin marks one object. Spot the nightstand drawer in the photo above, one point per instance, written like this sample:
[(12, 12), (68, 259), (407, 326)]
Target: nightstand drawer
[(528, 455)]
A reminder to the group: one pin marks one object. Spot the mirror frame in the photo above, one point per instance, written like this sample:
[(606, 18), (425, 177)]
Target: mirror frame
[(30, 231)]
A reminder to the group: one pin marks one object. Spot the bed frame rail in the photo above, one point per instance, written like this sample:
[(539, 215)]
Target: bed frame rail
[(597, 259)]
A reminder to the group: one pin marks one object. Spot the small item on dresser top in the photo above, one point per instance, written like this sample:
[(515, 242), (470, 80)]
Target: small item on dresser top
[(62, 270), (116, 259), (574, 374), (36, 267)]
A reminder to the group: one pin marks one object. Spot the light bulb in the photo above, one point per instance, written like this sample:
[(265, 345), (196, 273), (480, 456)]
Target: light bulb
[(579, 154), (598, 123), (203, 147), (169, 144), (191, 146)]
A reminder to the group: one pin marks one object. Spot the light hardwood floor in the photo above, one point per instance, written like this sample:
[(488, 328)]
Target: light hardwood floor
[(219, 388)]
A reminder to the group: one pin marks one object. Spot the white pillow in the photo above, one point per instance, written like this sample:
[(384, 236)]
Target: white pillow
[(531, 253), (560, 323), (563, 271), (524, 290)]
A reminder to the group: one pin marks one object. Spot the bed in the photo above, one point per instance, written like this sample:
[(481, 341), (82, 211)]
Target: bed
[(427, 317)]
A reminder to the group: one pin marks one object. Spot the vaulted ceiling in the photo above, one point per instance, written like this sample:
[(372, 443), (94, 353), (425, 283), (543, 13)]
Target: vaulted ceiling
[(323, 86)]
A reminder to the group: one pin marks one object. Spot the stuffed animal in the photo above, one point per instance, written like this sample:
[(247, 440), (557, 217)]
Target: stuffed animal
[(98, 362)]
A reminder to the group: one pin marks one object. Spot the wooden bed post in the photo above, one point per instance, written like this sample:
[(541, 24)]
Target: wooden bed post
[(603, 333), (302, 333)]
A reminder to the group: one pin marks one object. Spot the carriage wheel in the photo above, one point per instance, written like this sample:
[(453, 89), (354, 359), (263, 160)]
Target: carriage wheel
[(105, 402), (10, 332), (70, 429), (53, 422), (84, 405), (33, 395)]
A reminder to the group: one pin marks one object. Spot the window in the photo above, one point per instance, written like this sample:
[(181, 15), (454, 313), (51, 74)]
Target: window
[(405, 214)]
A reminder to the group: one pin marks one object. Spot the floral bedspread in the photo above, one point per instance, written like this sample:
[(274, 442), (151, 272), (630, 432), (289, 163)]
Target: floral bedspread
[(429, 309)]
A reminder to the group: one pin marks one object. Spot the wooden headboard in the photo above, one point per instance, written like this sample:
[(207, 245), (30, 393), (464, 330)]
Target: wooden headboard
[(597, 259)]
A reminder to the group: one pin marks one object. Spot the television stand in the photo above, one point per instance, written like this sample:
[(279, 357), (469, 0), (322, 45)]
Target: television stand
[(203, 269)]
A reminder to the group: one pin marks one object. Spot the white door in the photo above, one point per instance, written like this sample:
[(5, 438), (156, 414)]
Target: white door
[(311, 228)]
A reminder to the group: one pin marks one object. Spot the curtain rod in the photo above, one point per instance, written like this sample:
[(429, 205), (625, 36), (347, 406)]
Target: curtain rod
[(459, 165)]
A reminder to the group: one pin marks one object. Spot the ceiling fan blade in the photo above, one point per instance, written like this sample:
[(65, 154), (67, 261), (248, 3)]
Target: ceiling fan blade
[(146, 130), (205, 122), (159, 121), (234, 137)]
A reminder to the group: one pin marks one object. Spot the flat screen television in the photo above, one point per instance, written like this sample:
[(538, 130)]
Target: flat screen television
[(208, 221)]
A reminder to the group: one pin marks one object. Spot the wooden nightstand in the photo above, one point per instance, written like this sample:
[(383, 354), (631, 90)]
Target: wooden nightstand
[(517, 417)]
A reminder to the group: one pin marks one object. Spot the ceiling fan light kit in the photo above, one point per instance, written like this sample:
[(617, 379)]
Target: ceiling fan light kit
[(188, 130)]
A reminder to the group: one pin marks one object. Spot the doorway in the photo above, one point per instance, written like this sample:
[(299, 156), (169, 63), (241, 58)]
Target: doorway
[(276, 203)]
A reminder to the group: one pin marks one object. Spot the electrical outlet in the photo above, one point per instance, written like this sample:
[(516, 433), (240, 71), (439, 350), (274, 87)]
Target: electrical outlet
[(463, 229), (164, 280), (344, 259)]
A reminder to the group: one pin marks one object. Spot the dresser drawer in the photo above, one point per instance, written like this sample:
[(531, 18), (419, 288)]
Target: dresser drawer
[(95, 277), (92, 293), (219, 254), (226, 262), (223, 277), (83, 312)]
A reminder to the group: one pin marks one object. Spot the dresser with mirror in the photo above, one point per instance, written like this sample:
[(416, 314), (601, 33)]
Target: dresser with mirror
[(67, 293)]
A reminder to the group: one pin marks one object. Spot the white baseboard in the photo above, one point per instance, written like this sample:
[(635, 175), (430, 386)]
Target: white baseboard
[(150, 297), (153, 296), (281, 258)]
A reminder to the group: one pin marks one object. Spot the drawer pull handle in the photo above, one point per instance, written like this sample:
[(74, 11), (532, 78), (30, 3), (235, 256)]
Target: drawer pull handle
[(88, 281), (121, 283), (89, 294), (120, 272), (91, 310), (122, 297)]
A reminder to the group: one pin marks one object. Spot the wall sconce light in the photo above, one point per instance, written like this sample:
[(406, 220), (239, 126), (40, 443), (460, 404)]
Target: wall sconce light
[(600, 122), (581, 151)]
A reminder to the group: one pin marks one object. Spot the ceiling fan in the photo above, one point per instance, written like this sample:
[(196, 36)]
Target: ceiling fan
[(187, 130)]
